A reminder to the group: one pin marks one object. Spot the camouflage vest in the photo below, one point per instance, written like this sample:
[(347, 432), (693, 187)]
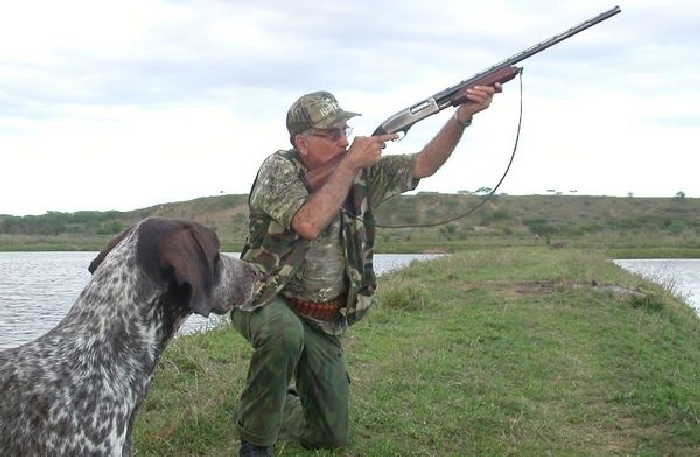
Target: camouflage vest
[(280, 255)]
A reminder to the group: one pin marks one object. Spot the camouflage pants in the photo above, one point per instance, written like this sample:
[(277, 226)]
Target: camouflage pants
[(288, 348)]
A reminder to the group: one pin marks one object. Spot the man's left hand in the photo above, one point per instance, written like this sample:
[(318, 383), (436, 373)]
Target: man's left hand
[(478, 98)]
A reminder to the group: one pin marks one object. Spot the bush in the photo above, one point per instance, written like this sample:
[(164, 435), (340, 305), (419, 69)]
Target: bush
[(501, 215), (650, 303), (541, 227), (110, 228), (676, 227), (405, 295)]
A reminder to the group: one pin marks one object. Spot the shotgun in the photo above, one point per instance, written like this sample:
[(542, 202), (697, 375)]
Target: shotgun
[(502, 72)]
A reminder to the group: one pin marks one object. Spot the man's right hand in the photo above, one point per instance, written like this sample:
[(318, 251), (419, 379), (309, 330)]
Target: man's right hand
[(365, 151)]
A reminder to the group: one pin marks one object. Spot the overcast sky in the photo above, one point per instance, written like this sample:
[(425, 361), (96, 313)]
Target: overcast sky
[(118, 105)]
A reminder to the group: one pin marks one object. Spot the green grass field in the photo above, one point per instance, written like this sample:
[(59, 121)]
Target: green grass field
[(499, 352)]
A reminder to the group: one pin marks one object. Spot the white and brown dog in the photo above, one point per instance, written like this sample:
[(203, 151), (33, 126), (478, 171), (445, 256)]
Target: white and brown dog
[(76, 390)]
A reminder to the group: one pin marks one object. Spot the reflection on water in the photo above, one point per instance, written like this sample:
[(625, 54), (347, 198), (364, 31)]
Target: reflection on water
[(38, 288), (36, 291)]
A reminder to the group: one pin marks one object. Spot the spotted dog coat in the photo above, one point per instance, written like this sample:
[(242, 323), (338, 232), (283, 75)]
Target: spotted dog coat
[(76, 390)]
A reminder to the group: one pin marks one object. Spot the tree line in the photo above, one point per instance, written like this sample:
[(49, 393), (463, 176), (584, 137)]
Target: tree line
[(57, 223)]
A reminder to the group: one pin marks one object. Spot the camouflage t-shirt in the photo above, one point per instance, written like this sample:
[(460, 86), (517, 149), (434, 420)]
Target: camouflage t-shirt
[(278, 193), (322, 276)]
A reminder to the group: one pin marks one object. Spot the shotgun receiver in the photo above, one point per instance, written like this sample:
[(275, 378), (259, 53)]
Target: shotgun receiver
[(452, 96)]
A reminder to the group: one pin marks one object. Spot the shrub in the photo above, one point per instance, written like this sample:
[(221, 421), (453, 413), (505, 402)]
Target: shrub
[(676, 227), (540, 227), (650, 303), (501, 215), (405, 295)]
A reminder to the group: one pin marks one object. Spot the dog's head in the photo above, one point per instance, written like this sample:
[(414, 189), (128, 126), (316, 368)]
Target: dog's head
[(184, 257)]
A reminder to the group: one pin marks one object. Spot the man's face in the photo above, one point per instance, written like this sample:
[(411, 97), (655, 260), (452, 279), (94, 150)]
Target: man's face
[(319, 146)]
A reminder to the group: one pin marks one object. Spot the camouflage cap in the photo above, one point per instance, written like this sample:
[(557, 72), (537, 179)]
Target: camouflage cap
[(318, 110)]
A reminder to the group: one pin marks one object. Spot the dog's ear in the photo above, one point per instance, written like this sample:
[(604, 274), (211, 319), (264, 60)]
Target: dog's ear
[(112, 243), (185, 255)]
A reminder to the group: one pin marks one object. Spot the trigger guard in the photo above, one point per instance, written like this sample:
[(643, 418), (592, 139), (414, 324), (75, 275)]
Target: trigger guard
[(401, 134)]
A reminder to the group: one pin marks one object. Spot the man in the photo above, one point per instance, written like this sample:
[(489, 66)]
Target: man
[(314, 240)]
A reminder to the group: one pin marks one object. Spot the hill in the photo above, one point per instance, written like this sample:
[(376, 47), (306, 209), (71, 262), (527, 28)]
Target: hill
[(671, 224)]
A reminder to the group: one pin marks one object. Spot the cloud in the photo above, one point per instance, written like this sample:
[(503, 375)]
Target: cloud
[(182, 99)]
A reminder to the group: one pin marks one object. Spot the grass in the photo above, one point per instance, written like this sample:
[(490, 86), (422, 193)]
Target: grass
[(64, 242), (612, 245), (502, 352), (620, 227)]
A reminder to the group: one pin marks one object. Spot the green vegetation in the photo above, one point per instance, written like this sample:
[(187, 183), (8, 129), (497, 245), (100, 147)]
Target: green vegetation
[(498, 352), (640, 227)]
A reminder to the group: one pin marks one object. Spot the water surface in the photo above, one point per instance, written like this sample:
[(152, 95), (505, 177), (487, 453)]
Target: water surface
[(681, 275), (38, 288)]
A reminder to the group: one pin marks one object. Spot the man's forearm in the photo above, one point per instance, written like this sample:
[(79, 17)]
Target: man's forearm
[(439, 149), (324, 203)]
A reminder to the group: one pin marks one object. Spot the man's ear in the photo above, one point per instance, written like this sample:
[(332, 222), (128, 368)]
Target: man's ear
[(301, 144)]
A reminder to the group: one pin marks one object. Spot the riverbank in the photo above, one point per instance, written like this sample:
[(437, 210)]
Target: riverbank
[(483, 353), (631, 248)]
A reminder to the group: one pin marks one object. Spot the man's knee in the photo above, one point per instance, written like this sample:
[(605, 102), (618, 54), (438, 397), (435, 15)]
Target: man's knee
[(331, 440), (336, 438), (332, 434)]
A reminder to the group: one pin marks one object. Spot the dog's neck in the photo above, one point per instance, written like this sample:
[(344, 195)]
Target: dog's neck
[(102, 355), (120, 316)]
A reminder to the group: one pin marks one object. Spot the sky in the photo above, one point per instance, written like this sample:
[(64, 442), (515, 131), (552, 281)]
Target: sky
[(110, 105)]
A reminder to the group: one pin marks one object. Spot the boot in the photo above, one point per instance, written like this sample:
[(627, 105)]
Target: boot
[(251, 450)]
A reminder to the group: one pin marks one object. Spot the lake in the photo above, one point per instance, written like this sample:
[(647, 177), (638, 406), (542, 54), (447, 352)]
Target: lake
[(38, 288), (681, 275)]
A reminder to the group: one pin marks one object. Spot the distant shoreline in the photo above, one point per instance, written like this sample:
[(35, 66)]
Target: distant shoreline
[(615, 227), (664, 252)]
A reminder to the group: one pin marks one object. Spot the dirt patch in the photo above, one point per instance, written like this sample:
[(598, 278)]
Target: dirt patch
[(548, 286), (545, 286), (542, 286)]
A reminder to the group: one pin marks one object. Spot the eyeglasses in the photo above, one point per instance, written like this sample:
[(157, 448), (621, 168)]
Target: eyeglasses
[(334, 134)]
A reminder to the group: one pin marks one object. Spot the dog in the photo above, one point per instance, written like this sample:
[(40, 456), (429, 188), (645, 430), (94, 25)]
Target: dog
[(76, 390)]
